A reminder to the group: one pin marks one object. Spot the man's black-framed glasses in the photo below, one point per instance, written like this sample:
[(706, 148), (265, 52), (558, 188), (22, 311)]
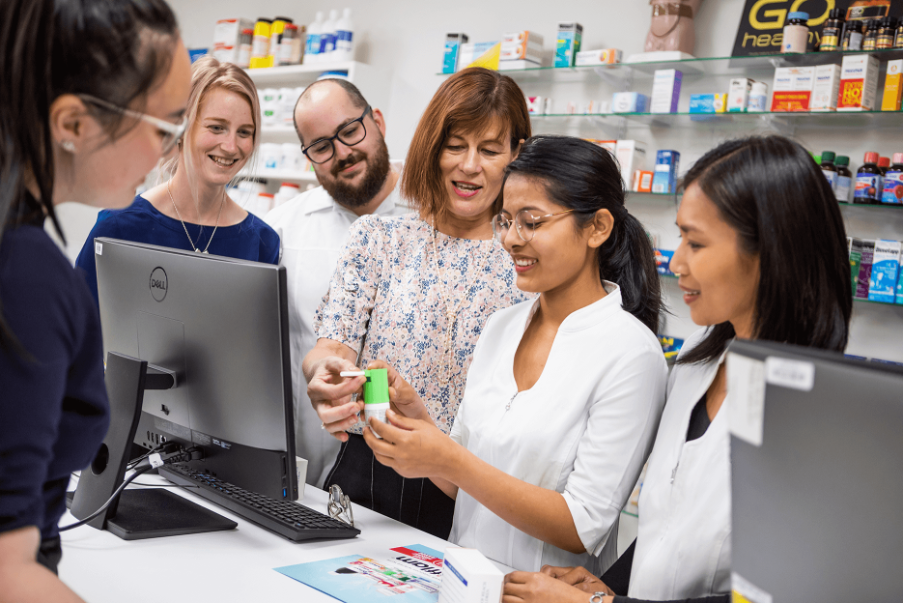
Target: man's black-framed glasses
[(322, 150)]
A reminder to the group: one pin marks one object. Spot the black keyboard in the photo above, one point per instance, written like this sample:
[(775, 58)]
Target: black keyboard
[(293, 521)]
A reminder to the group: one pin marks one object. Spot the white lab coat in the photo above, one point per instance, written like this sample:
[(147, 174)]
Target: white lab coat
[(683, 545), (583, 430), (312, 230)]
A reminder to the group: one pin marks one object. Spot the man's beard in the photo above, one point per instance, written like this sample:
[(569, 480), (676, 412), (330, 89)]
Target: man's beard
[(376, 170)]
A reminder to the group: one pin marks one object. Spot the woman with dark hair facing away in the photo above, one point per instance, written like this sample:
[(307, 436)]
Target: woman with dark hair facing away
[(749, 206), (416, 290), (564, 395), (92, 94), (191, 209)]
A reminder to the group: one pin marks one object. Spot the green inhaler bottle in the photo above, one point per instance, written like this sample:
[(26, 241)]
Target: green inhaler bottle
[(376, 395)]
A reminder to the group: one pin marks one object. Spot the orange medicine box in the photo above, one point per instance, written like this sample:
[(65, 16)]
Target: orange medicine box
[(643, 181), (792, 88), (859, 79), (891, 100)]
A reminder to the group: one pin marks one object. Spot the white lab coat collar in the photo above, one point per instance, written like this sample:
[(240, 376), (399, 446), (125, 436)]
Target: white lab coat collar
[(589, 315), (326, 202)]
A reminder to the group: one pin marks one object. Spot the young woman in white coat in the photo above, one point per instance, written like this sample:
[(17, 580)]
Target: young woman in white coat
[(762, 256), (564, 394)]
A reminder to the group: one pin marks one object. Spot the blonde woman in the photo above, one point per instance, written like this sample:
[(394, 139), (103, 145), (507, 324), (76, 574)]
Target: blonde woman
[(192, 210)]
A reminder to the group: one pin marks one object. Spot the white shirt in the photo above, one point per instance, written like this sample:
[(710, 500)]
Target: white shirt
[(312, 230), (684, 512), (584, 429)]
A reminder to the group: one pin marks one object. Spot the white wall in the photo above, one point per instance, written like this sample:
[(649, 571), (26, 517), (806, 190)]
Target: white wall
[(405, 39)]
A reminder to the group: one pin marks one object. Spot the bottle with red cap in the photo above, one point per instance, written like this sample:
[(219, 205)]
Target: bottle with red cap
[(868, 184), (884, 164), (892, 190)]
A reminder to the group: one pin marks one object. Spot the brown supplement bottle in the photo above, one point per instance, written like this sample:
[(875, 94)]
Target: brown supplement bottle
[(886, 37), (843, 182), (853, 36), (899, 35), (831, 31), (871, 35), (828, 168)]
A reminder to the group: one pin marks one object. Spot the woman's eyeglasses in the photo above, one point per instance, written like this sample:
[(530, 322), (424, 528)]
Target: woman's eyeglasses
[(526, 224), (172, 133), (323, 150)]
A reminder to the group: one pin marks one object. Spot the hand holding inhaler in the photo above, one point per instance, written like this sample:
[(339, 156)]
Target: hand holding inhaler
[(331, 395), (403, 398)]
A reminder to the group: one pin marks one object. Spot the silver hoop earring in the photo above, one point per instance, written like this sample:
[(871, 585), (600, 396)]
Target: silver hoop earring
[(68, 146)]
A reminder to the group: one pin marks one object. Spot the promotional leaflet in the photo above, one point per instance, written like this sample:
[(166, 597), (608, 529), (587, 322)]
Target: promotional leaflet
[(411, 573)]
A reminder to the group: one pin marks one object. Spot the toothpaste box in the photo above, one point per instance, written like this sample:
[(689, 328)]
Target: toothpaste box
[(739, 94), (792, 88), (756, 101), (469, 576), (665, 173), (891, 98), (826, 82), (631, 155), (708, 103), (859, 79), (568, 43), (866, 265), (666, 89), (643, 181), (607, 56), (630, 102), (453, 46), (884, 276)]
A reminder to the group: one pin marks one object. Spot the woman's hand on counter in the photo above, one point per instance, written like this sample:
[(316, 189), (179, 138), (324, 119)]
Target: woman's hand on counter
[(523, 586)]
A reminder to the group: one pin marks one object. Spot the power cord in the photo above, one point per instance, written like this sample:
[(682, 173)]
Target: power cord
[(153, 461)]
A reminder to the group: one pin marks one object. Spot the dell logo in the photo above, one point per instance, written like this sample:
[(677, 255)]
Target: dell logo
[(158, 284)]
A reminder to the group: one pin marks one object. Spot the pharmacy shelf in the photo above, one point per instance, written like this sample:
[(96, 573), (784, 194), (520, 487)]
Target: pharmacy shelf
[(296, 73), (876, 302), (772, 120), (281, 175), (871, 206), (705, 66)]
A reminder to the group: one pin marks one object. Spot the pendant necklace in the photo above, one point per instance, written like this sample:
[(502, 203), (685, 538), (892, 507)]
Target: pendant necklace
[(452, 313), (217, 224)]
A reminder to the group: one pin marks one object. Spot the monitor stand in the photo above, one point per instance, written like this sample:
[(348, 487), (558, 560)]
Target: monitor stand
[(137, 513)]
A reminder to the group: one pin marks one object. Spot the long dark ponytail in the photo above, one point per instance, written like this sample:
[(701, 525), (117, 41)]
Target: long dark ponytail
[(584, 177), (115, 50)]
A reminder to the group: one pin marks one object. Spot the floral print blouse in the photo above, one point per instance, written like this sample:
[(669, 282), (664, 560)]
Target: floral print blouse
[(388, 301)]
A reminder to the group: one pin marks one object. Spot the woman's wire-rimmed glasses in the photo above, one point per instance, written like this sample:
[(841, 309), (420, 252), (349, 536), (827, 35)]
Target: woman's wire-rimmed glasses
[(323, 150), (172, 133), (525, 223)]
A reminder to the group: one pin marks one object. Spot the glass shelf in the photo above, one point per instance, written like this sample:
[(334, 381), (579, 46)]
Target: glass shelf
[(705, 66), (871, 206), (797, 119)]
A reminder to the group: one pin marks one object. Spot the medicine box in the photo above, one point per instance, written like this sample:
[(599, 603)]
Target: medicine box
[(859, 79), (454, 43), (663, 258), (826, 83), (629, 102), (899, 289), (227, 38), (568, 43), (643, 181), (891, 97), (708, 103), (756, 101), (791, 88), (884, 276), (607, 56), (468, 53), (855, 253), (536, 105), (867, 247), (521, 46), (631, 155), (665, 172), (739, 94), (469, 576), (666, 90), (526, 36)]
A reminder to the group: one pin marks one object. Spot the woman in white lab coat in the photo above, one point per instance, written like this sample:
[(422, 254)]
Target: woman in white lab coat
[(564, 394), (762, 256)]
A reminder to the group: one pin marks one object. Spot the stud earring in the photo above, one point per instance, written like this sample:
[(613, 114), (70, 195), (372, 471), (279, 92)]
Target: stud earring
[(68, 146)]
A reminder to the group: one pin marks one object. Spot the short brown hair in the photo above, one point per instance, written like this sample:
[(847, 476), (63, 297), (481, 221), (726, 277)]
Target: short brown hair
[(469, 100)]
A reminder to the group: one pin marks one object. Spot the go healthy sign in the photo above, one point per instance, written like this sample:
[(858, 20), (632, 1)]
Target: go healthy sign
[(762, 22)]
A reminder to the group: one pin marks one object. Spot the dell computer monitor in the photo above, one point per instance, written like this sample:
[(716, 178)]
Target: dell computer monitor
[(221, 325), (816, 476)]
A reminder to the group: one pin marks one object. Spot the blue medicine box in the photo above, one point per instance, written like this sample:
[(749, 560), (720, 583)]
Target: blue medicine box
[(665, 173)]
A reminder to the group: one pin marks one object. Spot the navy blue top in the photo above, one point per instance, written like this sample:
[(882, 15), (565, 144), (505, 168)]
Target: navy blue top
[(53, 406), (251, 239)]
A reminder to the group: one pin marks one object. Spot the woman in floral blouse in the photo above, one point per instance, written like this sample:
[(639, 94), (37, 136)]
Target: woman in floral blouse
[(416, 290)]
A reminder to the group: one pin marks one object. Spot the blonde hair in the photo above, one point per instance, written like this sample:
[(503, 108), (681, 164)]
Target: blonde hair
[(207, 73)]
